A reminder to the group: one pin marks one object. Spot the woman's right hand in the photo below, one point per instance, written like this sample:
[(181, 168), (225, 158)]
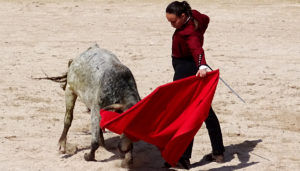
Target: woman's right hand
[(201, 73)]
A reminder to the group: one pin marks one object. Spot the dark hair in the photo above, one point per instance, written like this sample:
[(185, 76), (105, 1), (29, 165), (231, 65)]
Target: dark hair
[(179, 8)]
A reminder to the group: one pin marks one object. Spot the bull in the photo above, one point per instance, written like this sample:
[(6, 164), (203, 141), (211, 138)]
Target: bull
[(101, 81)]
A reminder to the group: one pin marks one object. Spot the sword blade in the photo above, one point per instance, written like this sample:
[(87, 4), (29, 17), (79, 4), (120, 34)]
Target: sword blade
[(228, 86), (232, 90)]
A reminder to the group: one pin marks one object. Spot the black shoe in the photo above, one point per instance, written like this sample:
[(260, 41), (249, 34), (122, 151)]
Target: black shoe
[(185, 163), (215, 158), (167, 165)]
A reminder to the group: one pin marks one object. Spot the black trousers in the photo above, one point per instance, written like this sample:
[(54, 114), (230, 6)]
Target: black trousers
[(185, 67)]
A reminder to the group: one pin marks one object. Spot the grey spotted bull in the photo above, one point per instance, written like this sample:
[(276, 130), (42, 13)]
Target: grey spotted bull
[(100, 80)]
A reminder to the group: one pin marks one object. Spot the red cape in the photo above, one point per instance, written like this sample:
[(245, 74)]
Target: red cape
[(169, 117)]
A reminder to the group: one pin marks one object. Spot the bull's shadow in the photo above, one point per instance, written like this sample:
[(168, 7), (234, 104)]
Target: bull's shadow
[(111, 146), (145, 156), (242, 151)]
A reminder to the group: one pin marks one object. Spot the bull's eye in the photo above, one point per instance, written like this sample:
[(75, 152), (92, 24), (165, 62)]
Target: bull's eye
[(119, 111)]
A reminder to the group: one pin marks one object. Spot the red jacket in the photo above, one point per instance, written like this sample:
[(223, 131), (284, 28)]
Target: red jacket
[(188, 42)]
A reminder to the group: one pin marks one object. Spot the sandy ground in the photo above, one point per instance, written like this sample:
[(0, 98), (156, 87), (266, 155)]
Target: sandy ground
[(255, 44)]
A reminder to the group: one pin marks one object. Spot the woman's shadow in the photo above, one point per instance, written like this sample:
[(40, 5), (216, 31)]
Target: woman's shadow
[(148, 156), (242, 151)]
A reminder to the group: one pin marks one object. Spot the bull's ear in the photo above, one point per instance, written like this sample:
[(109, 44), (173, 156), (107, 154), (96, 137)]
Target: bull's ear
[(119, 108)]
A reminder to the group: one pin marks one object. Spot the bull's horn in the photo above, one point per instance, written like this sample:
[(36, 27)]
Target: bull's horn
[(119, 108)]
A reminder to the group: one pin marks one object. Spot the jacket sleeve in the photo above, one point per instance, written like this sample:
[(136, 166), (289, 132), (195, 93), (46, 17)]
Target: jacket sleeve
[(202, 19), (193, 42)]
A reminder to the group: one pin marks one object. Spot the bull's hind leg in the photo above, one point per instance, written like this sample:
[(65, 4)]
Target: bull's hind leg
[(97, 135), (125, 147), (70, 99)]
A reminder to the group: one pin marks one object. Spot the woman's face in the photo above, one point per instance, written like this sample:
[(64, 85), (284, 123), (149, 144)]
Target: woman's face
[(175, 21)]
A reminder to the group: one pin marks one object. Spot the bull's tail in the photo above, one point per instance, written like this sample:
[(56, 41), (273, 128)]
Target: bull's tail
[(59, 79)]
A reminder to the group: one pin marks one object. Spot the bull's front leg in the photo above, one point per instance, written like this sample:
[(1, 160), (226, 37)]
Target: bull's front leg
[(125, 147), (95, 129)]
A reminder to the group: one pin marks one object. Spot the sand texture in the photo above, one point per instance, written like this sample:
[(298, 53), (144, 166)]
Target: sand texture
[(255, 44)]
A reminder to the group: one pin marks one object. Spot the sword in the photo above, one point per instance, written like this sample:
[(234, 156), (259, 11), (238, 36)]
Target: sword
[(229, 87)]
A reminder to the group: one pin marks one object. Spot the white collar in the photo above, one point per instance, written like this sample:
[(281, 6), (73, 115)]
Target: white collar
[(187, 20)]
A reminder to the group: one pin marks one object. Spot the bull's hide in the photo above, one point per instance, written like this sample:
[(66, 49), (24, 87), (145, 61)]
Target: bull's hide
[(169, 117)]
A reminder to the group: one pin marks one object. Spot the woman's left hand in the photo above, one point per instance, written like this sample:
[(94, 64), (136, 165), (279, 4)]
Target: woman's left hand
[(201, 73)]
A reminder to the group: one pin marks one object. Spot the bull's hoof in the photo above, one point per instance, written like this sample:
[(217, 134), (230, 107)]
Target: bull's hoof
[(89, 157), (127, 161), (62, 151), (124, 151), (126, 164), (62, 147)]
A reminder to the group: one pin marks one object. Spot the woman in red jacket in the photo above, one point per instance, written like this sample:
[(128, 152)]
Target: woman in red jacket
[(188, 59)]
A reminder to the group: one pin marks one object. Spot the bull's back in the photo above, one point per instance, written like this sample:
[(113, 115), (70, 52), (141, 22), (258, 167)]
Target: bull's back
[(87, 70)]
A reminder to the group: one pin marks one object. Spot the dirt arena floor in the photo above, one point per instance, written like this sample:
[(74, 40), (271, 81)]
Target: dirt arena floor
[(255, 44)]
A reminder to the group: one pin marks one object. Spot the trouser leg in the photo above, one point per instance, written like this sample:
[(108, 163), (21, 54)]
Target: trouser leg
[(188, 152), (215, 134)]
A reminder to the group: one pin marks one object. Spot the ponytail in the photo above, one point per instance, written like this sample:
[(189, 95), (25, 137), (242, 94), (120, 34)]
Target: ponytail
[(188, 8)]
